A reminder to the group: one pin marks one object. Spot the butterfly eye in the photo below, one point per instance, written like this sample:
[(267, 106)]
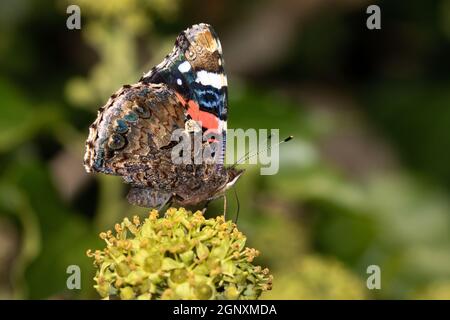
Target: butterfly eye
[(142, 111), (120, 126), (116, 142)]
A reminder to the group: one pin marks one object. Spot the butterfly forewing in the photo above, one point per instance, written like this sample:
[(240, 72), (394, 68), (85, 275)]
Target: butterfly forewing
[(195, 70)]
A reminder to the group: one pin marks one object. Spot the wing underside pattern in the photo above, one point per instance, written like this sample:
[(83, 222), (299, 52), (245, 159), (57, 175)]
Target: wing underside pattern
[(194, 70)]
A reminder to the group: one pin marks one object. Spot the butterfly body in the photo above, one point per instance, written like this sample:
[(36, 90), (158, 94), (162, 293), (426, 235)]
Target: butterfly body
[(132, 136)]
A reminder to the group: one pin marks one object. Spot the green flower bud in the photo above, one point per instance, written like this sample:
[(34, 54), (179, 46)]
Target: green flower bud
[(122, 269), (152, 264), (170, 264), (183, 291), (203, 292), (202, 251), (187, 257), (127, 293), (145, 296), (231, 293), (102, 288), (179, 275)]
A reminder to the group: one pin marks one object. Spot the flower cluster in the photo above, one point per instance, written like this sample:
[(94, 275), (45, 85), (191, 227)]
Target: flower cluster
[(180, 256)]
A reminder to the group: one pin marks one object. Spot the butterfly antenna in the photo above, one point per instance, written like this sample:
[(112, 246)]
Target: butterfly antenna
[(244, 157), (247, 156), (237, 204)]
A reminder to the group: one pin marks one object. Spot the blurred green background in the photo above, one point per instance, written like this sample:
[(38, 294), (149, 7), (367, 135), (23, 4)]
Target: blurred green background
[(366, 180)]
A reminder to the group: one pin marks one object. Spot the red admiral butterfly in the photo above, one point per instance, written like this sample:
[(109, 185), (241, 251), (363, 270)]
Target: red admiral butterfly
[(131, 136)]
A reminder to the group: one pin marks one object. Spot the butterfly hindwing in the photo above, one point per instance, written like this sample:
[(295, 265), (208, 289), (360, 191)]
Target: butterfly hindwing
[(137, 122)]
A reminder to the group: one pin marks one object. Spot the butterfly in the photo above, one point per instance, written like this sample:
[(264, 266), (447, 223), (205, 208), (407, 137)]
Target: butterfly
[(132, 136)]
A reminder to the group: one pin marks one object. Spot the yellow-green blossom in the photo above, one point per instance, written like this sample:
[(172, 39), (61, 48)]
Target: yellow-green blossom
[(180, 256)]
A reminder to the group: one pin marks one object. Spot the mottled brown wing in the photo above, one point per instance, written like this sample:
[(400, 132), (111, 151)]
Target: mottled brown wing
[(131, 131)]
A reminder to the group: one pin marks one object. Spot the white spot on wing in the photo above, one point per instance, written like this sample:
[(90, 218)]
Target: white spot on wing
[(211, 79), (223, 125), (184, 67), (179, 82)]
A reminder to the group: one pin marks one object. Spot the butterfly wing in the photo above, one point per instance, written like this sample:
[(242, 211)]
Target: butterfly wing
[(132, 135), (195, 71), (133, 130)]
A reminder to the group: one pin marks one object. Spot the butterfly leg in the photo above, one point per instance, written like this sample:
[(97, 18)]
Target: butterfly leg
[(164, 204)]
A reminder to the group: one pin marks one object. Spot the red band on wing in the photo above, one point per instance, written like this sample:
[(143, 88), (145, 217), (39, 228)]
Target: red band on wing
[(208, 120)]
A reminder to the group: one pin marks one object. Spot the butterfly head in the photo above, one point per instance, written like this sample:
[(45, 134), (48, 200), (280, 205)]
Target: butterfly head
[(233, 175)]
